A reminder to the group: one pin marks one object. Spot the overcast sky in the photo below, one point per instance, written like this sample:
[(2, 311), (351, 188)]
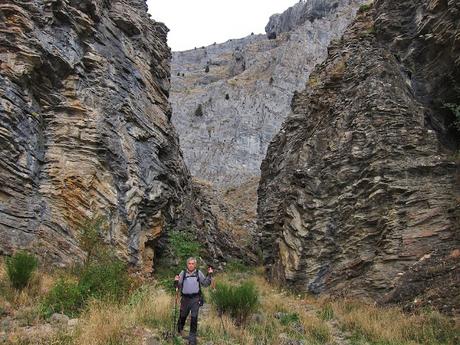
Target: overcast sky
[(196, 23)]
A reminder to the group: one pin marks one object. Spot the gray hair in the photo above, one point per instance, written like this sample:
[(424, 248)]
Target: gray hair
[(191, 259)]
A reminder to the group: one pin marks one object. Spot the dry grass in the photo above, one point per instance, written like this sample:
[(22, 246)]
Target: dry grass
[(104, 324), (149, 310), (389, 325)]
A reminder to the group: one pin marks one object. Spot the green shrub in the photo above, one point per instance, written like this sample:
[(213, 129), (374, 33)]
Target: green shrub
[(455, 109), (105, 280), (89, 237), (183, 245), (20, 268), (289, 318), (237, 301), (365, 7), (65, 297)]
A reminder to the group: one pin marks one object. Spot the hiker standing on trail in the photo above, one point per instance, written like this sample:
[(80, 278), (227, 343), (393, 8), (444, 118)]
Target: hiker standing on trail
[(189, 283)]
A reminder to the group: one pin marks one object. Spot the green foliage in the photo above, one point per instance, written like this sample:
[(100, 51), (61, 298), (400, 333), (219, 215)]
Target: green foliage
[(289, 318), (20, 268), (235, 265), (455, 109), (183, 245), (365, 7), (237, 301), (104, 280), (90, 237), (103, 276), (65, 297), (326, 313)]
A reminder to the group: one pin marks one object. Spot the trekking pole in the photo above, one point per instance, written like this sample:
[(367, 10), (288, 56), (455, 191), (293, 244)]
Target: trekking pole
[(173, 333)]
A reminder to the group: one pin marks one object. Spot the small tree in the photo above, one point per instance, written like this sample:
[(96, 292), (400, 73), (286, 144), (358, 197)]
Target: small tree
[(20, 268), (90, 236), (199, 110)]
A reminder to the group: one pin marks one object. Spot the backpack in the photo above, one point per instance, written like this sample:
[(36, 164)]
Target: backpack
[(199, 284)]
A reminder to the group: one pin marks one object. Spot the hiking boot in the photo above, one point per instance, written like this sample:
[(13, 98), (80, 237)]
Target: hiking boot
[(192, 339)]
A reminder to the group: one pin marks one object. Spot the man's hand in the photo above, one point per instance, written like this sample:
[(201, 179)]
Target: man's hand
[(210, 270), (176, 282)]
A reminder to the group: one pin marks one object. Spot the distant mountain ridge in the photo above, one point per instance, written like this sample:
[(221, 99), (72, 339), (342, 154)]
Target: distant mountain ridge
[(230, 99)]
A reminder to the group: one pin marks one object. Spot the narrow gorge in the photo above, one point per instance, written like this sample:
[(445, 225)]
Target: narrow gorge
[(325, 150)]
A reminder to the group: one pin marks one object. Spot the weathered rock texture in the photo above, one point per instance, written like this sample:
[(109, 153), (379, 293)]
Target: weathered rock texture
[(230, 99), (85, 128), (359, 185)]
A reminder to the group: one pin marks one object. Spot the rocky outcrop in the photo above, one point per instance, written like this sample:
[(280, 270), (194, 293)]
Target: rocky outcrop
[(85, 129), (360, 184), (297, 15), (230, 99), (85, 126)]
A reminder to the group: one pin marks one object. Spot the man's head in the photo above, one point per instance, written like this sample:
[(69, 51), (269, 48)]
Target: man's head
[(191, 264)]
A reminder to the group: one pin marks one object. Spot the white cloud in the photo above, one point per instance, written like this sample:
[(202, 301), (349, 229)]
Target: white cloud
[(196, 23)]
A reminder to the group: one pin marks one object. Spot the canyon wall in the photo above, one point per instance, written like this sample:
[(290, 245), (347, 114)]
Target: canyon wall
[(359, 192), (85, 129)]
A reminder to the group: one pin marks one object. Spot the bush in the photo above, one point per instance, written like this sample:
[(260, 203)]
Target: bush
[(199, 110), (289, 318), (365, 7), (90, 236), (237, 301), (65, 297), (455, 109), (183, 245), (105, 280), (20, 268)]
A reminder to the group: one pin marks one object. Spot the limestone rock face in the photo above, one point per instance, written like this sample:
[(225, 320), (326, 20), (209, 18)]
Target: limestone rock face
[(85, 128), (360, 182), (230, 99)]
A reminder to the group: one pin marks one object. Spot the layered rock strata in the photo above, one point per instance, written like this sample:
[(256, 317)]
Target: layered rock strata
[(230, 99), (361, 182), (85, 128)]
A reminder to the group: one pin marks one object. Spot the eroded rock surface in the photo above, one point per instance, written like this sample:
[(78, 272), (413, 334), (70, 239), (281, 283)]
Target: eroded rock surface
[(361, 181), (230, 99), (85, 128)]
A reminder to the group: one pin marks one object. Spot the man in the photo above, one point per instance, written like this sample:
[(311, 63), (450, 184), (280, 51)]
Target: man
[(189, 283)]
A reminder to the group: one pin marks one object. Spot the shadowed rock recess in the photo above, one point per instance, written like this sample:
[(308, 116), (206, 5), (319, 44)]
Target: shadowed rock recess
[(85, 128), (230, 99), (359, 192)]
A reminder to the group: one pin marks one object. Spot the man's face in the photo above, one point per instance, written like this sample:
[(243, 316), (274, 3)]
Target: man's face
[(191, 265)]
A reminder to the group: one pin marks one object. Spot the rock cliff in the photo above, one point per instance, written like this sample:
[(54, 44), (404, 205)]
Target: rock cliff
[(361, 184), (85, 128), (230, 99)]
